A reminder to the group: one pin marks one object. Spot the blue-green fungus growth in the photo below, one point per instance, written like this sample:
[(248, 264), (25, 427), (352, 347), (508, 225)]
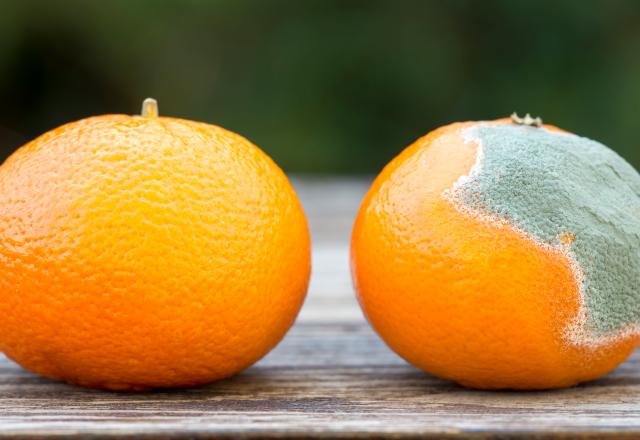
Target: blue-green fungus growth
[(567, 192)]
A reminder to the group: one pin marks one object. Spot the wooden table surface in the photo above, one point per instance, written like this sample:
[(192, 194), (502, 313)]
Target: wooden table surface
[(330, 377)]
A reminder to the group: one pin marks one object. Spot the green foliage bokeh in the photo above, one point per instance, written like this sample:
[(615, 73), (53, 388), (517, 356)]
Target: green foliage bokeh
[(334, 86)]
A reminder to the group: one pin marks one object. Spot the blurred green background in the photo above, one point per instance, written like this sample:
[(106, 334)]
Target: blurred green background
[(331, 86)]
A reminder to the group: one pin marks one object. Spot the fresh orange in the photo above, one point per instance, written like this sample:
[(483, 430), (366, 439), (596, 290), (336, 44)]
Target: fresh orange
[(503, 254), (144, 251)]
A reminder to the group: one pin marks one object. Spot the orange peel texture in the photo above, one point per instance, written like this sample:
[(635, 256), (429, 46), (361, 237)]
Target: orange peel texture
[(146, 252), (465, 297)]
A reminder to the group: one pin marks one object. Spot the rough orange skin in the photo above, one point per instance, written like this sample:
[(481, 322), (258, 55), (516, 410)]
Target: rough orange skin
[(146, 252), (463, 299)]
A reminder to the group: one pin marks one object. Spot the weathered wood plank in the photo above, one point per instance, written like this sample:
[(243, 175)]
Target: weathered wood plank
[(324, 378), (330, 377), (331, 205)]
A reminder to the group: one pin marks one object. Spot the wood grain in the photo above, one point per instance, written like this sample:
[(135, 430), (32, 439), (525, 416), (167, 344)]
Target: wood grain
[(330, 377)]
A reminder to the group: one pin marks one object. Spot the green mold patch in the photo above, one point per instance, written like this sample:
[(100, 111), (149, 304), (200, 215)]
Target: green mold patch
[(570, 193)]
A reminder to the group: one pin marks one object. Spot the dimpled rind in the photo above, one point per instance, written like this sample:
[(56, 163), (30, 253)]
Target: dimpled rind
[(146, 252), (569, 192), (462, 291)]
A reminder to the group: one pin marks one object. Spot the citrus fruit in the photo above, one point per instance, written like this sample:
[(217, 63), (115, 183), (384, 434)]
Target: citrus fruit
[(143, 251), (503, 254)]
